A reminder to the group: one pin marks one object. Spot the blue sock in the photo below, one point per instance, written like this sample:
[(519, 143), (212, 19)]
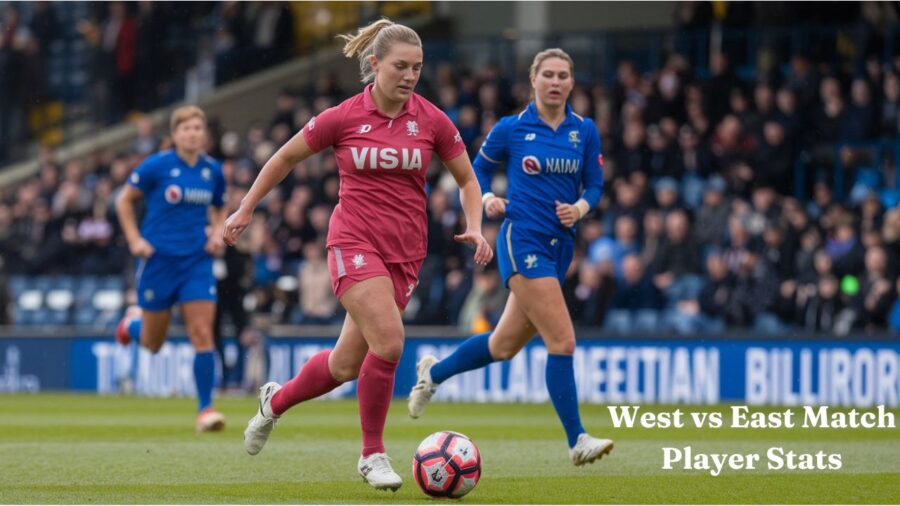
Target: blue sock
[(563, 393), (134, 329), (473, 353), (204, 376)]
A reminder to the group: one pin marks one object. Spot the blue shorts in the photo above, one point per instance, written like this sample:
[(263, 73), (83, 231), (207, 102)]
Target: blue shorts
[(532, 254), (164, 281)]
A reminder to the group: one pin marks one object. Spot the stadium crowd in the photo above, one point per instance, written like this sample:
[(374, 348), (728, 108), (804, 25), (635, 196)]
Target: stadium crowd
[(699, 229)]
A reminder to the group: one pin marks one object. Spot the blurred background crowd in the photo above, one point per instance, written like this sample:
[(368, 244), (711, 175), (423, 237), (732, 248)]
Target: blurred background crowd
[(757, 197)]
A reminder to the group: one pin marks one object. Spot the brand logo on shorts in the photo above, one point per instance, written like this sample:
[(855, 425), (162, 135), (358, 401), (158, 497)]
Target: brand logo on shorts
[(457, 138), (412, 128), (135, 178), (359, 261), (531, 261), (311, 124), (553, 241), (173, 194), (531, 165), (412, 286), (148, 295), (364, 129)]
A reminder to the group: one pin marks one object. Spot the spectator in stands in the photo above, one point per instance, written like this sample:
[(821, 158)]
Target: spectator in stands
[(636, 301), (677, 265), (877, 292), (119, 43), (634, 155), (774, 165), (661, 160), (859, 120), (845, 250), (828, 310), (146, 141), (716, 293), (830, 117), (755, 291), (712, 218), (317, 302)]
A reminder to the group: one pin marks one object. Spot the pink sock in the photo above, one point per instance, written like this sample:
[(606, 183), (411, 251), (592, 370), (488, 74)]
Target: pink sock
[(313, 380), (374, 390)]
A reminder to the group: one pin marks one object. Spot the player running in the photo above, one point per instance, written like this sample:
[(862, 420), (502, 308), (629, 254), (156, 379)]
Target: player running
[(550, 154), (383, 139), (183, 191)]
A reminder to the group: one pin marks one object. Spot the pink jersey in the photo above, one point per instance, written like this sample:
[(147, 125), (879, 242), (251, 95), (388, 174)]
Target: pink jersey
[(382, 163)]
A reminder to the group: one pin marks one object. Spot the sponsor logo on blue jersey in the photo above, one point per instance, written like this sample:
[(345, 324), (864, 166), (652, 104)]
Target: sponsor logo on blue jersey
[(175, 195), (531, 165)]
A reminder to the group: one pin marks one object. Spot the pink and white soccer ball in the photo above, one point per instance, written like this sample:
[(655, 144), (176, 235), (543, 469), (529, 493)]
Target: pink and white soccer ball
[(447, 464)]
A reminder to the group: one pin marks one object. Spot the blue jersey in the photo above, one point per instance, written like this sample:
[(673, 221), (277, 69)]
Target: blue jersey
[(543, 165), (177, 198)]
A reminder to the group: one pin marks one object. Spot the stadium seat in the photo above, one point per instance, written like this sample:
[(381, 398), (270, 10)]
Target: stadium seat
[(108, 300), (890, 198)]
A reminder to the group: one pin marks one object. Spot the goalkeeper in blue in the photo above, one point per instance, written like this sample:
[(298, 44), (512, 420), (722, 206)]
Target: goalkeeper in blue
[(554, 167)]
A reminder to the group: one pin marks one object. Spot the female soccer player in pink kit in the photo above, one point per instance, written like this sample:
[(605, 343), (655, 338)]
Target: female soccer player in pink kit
[(383, 139)]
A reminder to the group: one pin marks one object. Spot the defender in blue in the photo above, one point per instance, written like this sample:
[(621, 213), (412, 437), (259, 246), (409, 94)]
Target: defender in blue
[(554, 167), (183, 190)]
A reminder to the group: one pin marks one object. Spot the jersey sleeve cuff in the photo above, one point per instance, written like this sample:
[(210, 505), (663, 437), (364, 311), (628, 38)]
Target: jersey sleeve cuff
[(583, 207)]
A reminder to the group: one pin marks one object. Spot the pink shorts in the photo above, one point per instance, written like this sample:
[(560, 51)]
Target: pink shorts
[(348, 267)]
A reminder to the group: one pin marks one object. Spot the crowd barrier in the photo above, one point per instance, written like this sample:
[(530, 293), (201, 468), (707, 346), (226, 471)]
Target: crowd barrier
[(859, 372)]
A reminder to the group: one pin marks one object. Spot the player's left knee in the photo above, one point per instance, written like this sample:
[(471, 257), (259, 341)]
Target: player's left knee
[(562, 347), (201, 337)]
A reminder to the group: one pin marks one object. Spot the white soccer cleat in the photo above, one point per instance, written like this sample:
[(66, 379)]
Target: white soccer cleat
[(588, 449), (260, 426), (376, 470), (421, 394), (210, 420)]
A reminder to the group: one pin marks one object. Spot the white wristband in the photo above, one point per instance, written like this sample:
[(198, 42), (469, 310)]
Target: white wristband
[(486, 196), (583, 207)]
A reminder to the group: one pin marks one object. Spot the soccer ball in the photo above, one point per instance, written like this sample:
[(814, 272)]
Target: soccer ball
[(447, 464)]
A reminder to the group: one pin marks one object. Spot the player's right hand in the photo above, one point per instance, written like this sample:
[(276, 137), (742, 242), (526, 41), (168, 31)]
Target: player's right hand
[(235, 225), (495, 207), (141, 248)]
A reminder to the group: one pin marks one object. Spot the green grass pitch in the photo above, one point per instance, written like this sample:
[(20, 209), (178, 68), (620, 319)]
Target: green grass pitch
[(119, 450)]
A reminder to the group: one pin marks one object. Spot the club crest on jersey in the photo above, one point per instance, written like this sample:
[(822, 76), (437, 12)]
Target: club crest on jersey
[(530, 136), (386, 158), (173, 194), (205, 174), (531, 165), (359, 261), (175, 172), (573, 138), (412, 128)]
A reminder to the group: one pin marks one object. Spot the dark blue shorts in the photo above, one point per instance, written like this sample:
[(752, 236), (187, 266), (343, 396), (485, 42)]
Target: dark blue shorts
[(532, 254), (164, 281)]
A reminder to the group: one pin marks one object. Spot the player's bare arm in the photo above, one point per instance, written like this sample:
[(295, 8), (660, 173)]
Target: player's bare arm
[(125, 202), (272, 173), (214, 243), (470, 196)]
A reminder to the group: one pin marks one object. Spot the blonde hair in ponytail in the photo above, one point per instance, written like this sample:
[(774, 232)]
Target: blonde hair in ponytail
[(376, 39)]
